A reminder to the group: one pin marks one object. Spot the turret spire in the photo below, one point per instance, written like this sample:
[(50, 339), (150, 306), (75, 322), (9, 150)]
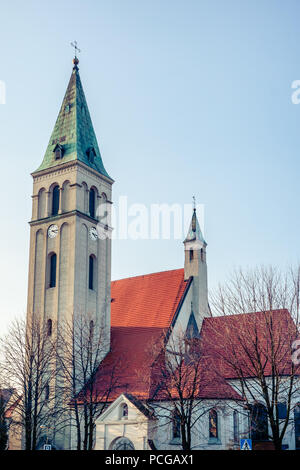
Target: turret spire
[(195, 267), (194, 232)]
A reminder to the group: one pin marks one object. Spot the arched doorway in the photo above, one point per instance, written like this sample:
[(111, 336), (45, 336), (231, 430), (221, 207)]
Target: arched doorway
[(122, 443)]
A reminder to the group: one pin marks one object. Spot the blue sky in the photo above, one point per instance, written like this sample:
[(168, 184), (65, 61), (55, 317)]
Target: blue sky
[(187, 97)]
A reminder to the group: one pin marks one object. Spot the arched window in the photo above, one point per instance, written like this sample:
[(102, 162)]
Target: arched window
[(124, 411), (58, 152), (55, 200), (105, 212), (92, 202), (91, 154), (65, 197), (282, 410), (259, 423), (202, 254), (191, 255), (49, 327), (92, 329), (91, 272), (52, 282), (47, 392), (176, 425), (235, 426), (213, 425), (41, 203)]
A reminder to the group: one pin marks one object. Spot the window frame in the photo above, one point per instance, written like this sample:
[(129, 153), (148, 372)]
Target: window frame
[(124, 411), (52, 270), (176, 426), (213, 414), (92, 203), (49, 327), (55, 200), (91, 272), (236, 427), (47, 392)]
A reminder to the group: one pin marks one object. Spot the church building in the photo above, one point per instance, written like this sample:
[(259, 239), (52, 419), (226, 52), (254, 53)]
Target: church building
[(70, 275)]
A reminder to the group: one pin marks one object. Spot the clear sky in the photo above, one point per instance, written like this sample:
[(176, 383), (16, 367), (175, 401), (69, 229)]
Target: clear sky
[(187, 97)]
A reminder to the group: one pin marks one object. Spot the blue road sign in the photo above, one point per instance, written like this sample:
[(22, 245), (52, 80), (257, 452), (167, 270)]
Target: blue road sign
[(246, 444), (47, 447)]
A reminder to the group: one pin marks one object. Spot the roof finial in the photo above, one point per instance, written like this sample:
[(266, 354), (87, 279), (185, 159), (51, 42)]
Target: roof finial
[(76, 49), (194, 203)]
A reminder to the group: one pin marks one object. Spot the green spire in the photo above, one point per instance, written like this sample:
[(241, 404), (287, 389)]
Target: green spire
[(73, 137)]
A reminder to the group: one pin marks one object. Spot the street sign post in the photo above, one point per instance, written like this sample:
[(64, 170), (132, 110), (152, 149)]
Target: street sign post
[(246, 444)]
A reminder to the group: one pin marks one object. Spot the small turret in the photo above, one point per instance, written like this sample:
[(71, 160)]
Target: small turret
[(195, 266)]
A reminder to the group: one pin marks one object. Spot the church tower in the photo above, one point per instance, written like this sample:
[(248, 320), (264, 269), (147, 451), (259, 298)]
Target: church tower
[(195, 266), (70, 265)]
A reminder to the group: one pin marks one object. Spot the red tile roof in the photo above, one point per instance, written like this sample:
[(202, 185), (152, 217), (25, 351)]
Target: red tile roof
[(232, 342), (198, 379), (147, 301), (132, 359), (142, 310), (213, 386)]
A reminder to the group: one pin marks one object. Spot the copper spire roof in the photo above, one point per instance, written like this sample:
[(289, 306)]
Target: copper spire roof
[(73, 131)]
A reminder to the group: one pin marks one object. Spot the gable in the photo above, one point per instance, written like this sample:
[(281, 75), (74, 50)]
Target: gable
[(136, 410), (192, 330)]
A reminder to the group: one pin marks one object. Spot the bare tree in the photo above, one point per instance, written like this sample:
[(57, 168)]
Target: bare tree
[(86, 386), (181, 386), (28, 365), (256, 349)]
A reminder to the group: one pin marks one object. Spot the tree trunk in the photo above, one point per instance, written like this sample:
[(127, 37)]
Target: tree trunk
[(186, 445), (86, 429)]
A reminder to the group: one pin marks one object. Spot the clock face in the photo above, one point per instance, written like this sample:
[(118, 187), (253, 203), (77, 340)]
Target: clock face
[(93, 233), (52, 231)]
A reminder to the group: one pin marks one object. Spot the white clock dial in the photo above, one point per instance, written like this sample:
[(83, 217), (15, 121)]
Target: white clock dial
[(93, 233), (52, 231)]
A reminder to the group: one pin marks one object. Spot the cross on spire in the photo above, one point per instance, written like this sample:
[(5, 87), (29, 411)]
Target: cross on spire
[(194, 202), (76, 48)]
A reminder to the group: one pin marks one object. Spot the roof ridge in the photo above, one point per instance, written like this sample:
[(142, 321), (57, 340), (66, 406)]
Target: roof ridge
[(148, 275), (146, 328), (275, 310)]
